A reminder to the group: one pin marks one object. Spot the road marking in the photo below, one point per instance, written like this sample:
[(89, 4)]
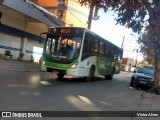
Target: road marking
[(15, 85)]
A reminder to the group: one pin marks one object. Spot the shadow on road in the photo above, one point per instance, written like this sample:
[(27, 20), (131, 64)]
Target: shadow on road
[(73, 80)]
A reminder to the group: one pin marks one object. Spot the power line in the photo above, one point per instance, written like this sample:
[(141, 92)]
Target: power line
[(77, 18), (68, 21), (70, 13)]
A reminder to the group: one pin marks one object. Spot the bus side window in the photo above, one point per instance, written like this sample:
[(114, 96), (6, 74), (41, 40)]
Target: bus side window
[(120, 53), (107, 50), (115, 54), (86, 46), (94, 46), (101, 47), (111, 53)]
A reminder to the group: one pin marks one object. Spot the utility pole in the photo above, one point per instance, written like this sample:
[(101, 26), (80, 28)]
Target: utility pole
[(122, 42), (0, 17), (90, 15), (136, 58)]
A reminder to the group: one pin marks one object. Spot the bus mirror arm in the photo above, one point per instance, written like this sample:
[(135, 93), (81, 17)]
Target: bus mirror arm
[(40, 40)]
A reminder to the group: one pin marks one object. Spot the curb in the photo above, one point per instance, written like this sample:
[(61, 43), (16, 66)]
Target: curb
[(20, 70)]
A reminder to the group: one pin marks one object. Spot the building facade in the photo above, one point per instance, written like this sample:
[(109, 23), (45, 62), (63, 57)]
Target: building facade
[(57, 7), (128, 64), (69, 11), (21, 25)]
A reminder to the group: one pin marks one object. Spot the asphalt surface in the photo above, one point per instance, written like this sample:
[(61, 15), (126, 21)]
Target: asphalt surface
[(14, 65), (41, 91)]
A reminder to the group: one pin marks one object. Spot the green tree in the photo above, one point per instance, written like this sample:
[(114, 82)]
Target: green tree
[(142, 63), (137, 14)]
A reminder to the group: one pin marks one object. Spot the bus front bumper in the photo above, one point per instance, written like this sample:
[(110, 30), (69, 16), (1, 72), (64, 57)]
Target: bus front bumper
[(43, 68)]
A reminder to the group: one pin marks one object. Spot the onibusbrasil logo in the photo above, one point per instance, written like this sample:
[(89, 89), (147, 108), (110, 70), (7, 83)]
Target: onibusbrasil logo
[(21, 114)]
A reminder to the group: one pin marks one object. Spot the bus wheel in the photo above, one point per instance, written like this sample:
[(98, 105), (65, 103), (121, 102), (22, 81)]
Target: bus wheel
[(60, 76), (106, 77), (109, 77), (91, 74)]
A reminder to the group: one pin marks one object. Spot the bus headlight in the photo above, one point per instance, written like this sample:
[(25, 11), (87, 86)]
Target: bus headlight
[(74, 65), (43, 62)]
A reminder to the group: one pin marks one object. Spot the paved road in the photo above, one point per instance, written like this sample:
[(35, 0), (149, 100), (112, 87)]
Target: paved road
[(32, 91)]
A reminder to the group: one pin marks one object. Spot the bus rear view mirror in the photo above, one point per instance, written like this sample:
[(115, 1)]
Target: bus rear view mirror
[(41, 40)]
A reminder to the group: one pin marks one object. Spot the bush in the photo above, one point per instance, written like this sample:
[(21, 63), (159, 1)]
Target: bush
[(7, 53), (21, 55), (31, 59)]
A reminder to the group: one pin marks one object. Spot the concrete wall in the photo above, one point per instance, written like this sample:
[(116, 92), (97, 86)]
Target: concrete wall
[(19, 21), (14, 43), (13, 19), (36, 28)]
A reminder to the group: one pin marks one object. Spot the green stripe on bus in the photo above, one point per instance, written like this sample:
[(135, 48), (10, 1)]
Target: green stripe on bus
[(59, 65)]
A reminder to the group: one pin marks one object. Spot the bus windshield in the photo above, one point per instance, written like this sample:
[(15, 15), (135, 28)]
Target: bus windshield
[(66, 47)]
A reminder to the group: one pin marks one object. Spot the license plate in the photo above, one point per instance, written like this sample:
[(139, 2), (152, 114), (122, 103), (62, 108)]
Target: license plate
[(143, 82)]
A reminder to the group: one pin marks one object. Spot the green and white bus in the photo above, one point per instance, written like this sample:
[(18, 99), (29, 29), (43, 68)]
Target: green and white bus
[(78, 52)]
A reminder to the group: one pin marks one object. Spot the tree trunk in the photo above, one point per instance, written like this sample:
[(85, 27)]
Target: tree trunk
[(157, 69), (157, 79), (156, 76)]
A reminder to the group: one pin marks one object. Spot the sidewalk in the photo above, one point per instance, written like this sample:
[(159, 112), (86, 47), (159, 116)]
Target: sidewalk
[(13, 65)]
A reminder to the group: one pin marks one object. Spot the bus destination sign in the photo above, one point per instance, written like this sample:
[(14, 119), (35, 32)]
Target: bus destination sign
[(73, 31), (65, 30)]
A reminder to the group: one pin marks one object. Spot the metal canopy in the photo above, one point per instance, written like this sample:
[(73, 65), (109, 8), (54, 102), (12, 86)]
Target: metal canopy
[(34, 11)]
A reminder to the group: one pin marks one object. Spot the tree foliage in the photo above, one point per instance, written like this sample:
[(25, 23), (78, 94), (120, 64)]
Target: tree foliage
[(131, 13), (138, 15)]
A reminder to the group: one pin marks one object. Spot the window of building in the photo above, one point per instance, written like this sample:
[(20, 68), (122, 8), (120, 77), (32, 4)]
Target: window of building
[(60, 14), (61, 2)]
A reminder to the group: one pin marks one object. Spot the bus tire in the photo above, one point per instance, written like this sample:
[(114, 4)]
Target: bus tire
[(60, 76), (90, 77), (109, 77)]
